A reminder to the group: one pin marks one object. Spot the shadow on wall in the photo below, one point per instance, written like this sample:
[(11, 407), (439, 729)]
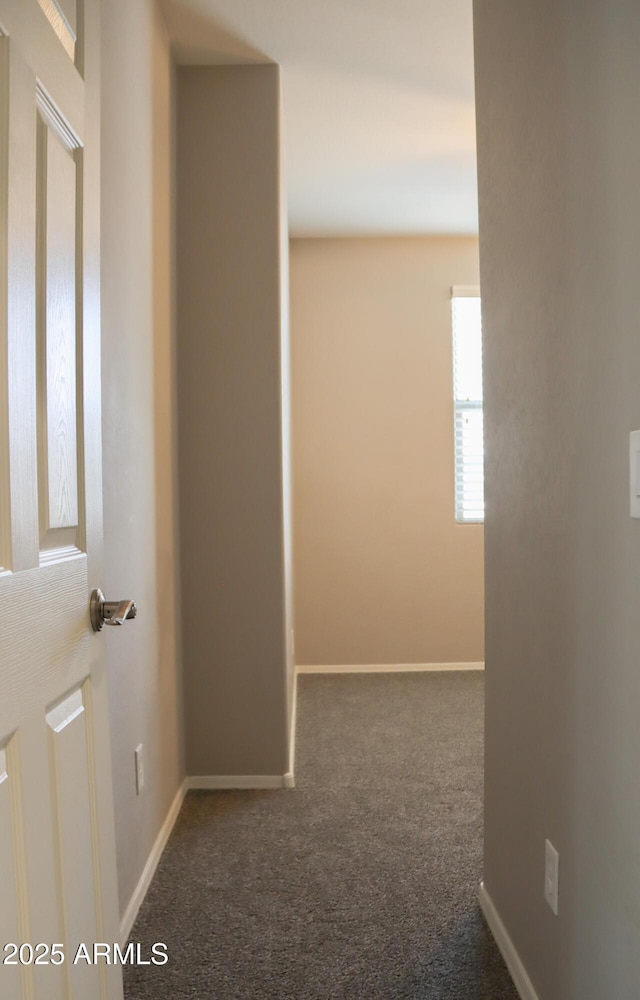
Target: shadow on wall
[(169, 679), (205, 41)]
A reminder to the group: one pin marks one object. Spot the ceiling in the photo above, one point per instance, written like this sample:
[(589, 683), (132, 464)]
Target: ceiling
[(378, 105)]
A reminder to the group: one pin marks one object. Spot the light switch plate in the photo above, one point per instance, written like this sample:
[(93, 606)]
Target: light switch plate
[(634, 473)]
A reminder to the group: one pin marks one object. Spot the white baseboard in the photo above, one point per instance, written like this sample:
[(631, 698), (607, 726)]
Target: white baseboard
[(506, 946), (292, 735), (149, 870), (240, 781), (245, 781), (385, 668)]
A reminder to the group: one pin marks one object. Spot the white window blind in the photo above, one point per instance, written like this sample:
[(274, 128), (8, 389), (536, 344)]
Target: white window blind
[(467, 404)]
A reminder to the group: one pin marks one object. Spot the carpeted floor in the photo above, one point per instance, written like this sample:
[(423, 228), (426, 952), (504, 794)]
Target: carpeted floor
[(359, 884)]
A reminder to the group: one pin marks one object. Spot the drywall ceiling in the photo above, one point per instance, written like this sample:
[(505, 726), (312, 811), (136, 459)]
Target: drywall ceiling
[(378, 105)]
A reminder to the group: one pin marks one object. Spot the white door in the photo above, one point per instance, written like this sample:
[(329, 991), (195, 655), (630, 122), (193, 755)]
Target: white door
[(57, 864)]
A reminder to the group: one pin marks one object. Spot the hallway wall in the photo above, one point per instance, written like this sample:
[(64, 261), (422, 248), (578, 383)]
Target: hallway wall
[(383, 573), (139, 445), (558, 99), (233, 420)]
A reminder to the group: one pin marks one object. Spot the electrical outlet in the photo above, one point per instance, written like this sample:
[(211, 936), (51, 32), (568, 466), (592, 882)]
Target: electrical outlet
[(139, 768), (551, 863)]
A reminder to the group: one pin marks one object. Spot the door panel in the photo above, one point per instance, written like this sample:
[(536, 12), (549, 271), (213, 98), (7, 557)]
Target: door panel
[(56, 824), (56, 281), (10, 926), (73, 791), (62, 16)]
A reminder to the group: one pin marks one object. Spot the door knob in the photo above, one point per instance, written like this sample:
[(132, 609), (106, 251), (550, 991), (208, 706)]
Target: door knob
[(109, 612)]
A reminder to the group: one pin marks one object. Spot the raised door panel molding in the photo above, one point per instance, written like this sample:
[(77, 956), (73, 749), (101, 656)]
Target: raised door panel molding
[(62, 16)]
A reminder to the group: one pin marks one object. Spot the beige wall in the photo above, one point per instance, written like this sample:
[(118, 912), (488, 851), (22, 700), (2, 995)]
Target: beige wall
[(138, 423), (558, 99), (383, 572), (232, 346), (285, 417)]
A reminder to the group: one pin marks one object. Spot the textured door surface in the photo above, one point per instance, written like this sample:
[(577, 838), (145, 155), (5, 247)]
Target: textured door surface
[(57, 869)]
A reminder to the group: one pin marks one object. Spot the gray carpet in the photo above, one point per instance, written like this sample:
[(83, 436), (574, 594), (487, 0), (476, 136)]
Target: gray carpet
[(359, 884)]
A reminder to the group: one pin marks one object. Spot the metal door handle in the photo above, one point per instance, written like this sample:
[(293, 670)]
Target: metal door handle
[(109, 612)]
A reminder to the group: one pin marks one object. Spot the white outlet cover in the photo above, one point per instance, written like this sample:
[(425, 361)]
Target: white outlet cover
[(634, 474), (551, 871), (138, 753)]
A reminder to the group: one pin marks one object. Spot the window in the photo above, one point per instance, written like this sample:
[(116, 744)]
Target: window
[(467, 404)]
